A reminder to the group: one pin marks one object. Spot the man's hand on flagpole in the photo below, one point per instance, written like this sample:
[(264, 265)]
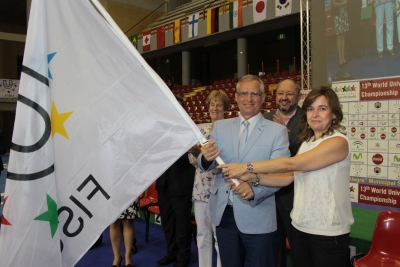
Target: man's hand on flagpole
[(242, 189), (210, 151)]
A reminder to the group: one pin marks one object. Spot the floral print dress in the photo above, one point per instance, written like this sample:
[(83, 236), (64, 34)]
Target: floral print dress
[(202, 180)]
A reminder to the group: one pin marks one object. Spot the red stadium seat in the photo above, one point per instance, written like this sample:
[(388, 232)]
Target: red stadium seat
[(384, 251)]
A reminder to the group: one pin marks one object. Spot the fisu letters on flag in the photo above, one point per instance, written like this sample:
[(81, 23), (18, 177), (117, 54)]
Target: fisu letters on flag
[(88, 138)]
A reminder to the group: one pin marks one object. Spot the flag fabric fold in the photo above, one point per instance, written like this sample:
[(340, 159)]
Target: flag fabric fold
[(94, 127), (146, 40), (193, 25), (212, 20), (283, 7), (177, 31), (235, 14), (259, 10), (160, 37)]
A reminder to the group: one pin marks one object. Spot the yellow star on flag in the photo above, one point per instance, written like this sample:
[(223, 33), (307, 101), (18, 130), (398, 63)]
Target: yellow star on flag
[(57, 121)]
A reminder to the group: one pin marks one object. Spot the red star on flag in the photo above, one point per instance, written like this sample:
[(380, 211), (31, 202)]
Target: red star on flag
[(3, 219), (351, 189)]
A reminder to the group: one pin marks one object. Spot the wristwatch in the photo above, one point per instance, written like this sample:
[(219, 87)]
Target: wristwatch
[(249, 167), (257, 182)]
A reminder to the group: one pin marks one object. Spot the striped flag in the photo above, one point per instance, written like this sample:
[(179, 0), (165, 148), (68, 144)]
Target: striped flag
[(235, 14), (94, 127), (212, 20), (146, 40), (259, 10), (177, 31), (283, 7), (193, 26)]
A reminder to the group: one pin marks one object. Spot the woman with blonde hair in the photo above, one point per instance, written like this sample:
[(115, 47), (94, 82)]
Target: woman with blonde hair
[(218, 103)]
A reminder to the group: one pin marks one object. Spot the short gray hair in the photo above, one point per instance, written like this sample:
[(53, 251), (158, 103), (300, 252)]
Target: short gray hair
[(249, 78)]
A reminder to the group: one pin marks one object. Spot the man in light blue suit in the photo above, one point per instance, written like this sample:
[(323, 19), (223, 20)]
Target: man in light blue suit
[(246, 222)]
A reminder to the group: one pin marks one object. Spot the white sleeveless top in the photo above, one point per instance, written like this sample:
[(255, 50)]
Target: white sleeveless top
[(321, 204)]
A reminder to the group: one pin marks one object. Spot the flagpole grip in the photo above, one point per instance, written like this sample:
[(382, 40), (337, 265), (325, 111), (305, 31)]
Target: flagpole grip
[(218, 160)]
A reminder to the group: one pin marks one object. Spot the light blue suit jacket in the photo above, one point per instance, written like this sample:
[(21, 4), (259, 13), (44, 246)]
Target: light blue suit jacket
[(267, 140)]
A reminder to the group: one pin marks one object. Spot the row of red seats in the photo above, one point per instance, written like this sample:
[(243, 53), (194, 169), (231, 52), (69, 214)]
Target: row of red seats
[(233, 80), (284, 74), (199, 98), (199, 114), (229, 88)]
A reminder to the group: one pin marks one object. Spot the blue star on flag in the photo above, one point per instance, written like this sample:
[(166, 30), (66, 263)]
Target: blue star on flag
[(49, 58)]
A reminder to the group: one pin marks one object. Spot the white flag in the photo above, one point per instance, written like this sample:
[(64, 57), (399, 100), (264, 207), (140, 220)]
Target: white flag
[(283, 7), (259, 10), (94, 127), (193, 25)]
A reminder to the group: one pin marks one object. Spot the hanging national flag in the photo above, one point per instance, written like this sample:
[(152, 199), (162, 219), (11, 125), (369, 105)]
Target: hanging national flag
[(193, 25), (161, 37), (235, 14), (177, 31), (283, 7), (134, 40), (398, 18), (212, 20), (259, 10), (94, 127), (146, 40)]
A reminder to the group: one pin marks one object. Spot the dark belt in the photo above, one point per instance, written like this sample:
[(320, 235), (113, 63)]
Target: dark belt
[(228, 207)]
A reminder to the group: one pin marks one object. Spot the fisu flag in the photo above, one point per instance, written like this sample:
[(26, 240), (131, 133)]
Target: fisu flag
[(94, 127)]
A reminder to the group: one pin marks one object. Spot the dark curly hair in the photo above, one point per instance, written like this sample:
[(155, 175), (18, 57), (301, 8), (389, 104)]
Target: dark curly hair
[(334, 105)]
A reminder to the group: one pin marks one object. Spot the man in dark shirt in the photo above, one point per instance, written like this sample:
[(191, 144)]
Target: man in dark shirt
[(287, 114)]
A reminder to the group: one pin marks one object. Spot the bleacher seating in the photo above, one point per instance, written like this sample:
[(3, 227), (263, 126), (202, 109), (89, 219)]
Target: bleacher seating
[(195, 95)]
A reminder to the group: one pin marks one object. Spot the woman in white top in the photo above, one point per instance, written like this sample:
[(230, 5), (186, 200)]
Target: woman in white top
[(218, 103), (321, 215)]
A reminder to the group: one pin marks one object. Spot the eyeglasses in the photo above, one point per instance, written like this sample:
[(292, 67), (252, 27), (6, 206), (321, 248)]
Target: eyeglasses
[(289, 94), (252, 94)]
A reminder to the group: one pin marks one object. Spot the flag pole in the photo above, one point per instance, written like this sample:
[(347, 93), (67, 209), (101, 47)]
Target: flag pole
[(155, 76)]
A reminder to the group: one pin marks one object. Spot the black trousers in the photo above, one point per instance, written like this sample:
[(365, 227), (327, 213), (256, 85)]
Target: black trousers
[(175, 219), (318, 250)]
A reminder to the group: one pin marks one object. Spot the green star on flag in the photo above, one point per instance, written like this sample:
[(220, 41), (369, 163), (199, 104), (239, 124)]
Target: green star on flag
[(51, 215)]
